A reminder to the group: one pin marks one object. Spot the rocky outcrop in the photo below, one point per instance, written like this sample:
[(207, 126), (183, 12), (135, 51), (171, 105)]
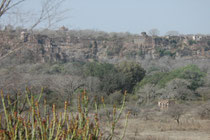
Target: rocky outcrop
[(65, 46)]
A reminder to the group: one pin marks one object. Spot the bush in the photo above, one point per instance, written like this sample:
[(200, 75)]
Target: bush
[(208, 42), (191, 42), (204, 111), (175, 112), (56, 68), (116, 98), (134, 110), (111, 51)]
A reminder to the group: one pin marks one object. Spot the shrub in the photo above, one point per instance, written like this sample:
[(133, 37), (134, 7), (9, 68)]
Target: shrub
[(208, 42), (191, 42), (116, 98), (204, 111), (57, 68), (134, 110), (175, 112), (169, 53), (111, 51), (140, 53)]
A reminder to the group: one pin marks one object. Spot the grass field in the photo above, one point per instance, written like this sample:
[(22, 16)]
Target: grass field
[(157, 128)]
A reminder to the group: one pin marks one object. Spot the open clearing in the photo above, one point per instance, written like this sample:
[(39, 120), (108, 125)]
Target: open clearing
[(188, 129)]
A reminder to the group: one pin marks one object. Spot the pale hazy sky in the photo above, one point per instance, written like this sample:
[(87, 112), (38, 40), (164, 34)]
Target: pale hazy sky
[(135, 16)]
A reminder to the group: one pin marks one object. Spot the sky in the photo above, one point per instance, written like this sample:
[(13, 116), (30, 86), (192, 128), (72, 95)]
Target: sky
[(136, 16)]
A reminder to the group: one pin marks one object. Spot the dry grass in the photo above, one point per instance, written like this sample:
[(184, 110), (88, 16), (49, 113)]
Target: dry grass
[(85, 125), (167, 129)]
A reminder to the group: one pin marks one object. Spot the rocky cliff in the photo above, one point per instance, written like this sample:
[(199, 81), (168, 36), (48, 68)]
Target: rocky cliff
[(64, 46)]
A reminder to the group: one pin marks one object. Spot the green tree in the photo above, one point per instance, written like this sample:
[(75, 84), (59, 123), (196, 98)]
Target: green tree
[(191, 73), (122, 76), (97, 69), (194, 75), (110, 78), (132, 74)]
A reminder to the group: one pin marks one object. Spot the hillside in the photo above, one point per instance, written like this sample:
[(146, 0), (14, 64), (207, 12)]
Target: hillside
[(66, 61), (150, 69)]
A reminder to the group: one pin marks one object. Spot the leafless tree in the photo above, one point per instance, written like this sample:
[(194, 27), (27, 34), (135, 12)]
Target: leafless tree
[(172, 33), (204, 110), (154, 32), (64, 85), (49, 13), (147, 94), (92, 84), (177, 89), (12, 81), (175, 112), (6, 5), (70, 84)]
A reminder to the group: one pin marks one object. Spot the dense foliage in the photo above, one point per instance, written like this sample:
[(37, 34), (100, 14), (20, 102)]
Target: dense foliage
[(190, 73), (122, 76)]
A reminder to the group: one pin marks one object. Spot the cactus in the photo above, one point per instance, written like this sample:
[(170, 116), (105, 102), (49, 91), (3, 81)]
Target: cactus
[(34, 124)]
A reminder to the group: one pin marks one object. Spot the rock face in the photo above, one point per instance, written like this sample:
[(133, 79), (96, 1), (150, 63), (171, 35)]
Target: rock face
[(65, 46)]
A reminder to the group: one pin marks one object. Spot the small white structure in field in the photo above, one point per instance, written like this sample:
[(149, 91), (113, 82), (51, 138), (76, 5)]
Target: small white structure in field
[(166, 103), (197, 37), (24, 36)]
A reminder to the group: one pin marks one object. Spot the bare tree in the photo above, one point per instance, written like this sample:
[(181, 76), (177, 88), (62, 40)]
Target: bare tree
[(175, 112), (64, 85), (204, 111), (172, 33), (49, 13), (147, 94), (154, 32), (6, 5), (70, 84)]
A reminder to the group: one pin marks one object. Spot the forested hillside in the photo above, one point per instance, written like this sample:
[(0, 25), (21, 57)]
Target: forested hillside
[(64, 62)]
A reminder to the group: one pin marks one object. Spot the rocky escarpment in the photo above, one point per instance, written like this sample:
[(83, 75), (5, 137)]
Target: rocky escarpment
[(67, 46)]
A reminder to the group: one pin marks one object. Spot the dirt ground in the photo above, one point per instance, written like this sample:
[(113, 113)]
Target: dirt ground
[(188, 129)]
